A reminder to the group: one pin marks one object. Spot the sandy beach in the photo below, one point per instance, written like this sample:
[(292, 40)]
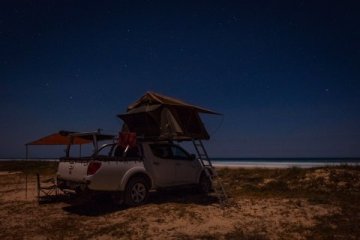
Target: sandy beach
[(264, 204), (275, 164)]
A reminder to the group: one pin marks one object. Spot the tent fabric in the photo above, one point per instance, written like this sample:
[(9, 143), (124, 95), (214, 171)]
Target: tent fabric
[(147, 108), (90, 136), (151, 98), (160, 117)]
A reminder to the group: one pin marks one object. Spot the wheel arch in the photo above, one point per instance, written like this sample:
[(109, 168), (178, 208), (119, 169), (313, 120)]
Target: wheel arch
[(202, 173), (135, 173)]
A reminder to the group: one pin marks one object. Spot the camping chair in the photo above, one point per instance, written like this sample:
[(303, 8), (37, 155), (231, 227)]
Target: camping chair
[(46, 189)]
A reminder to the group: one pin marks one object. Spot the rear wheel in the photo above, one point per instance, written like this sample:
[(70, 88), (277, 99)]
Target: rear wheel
[(136, 192), (205, 185)]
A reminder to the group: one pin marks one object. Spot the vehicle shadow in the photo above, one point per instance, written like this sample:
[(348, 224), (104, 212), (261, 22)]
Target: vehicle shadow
[(184, 196), (102, 205), (96, 206), (53, 199)]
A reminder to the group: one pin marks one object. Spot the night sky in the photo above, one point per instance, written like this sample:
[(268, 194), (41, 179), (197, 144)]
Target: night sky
[(285, 74)]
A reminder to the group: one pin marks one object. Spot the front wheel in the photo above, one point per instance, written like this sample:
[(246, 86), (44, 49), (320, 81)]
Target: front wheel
[(136, 192)]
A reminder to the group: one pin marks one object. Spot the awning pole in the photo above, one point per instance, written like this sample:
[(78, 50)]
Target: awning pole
[(27, 152), (26, 185)]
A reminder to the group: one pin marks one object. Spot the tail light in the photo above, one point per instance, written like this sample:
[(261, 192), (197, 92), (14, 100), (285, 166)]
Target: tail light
[(93, 167)]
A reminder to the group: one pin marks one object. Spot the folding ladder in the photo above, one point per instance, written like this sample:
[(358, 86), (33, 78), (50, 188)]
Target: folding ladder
[(215, 180)]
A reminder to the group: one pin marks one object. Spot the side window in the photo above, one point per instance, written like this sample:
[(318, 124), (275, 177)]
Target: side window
[(179, 153), (131, 152), (118, 151), (105, 151), (161, 151), (169, 151)]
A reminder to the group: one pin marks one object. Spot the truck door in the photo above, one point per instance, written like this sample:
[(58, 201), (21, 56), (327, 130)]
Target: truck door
[(186, 168), (163, 166)]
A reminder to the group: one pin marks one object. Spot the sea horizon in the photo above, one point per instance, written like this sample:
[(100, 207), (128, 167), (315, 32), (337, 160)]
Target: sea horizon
[(231, 162), (231, 159), (356, 159)]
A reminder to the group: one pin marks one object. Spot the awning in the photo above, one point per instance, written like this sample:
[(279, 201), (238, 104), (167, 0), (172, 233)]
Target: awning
[(64, 138), (60, 138)]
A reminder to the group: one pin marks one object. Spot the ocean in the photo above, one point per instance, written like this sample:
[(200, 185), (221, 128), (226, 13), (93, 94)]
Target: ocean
[(256, 162), (283, 162)]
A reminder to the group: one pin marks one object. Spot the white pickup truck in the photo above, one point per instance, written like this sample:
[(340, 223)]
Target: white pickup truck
[(129, 174)]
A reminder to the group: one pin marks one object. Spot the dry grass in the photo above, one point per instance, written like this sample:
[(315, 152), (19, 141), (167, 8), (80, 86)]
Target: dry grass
[(319, 203)]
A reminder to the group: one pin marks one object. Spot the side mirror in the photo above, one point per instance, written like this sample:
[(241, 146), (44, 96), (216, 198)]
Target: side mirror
[(192, 156)]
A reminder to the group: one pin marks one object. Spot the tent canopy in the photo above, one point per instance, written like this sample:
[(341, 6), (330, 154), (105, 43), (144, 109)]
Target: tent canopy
[(151, 98), (160, 117)]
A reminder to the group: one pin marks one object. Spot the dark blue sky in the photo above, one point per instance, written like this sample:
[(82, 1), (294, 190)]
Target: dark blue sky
[(285, 74)]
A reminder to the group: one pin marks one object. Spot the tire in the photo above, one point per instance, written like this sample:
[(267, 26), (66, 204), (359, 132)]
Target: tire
[(136, 191), (205, 185)]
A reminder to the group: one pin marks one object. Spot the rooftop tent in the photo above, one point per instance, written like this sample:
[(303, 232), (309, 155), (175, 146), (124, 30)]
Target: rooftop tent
[(162, 117)]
